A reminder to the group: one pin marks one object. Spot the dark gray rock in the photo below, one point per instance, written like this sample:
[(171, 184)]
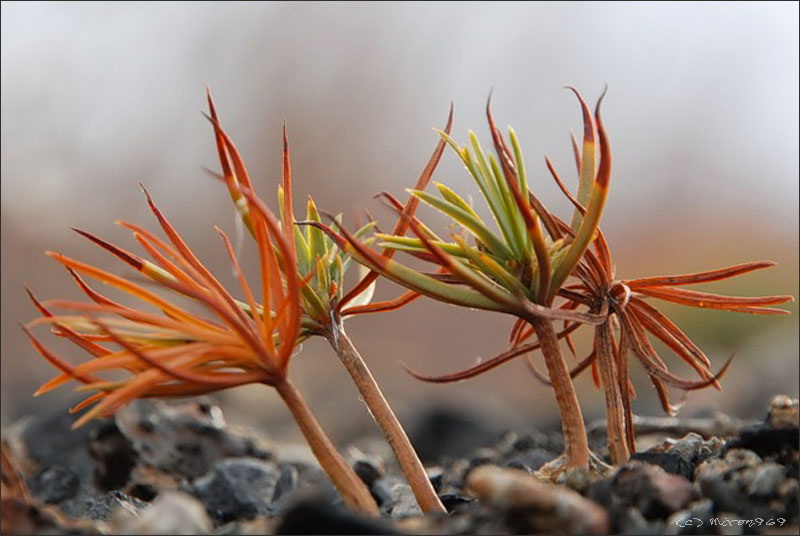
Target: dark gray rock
[(65, 476), (369, 469), (742, 483), (648, 488), (395, 497), (287, 482), (56, 484), (671, 462), (455, 501), (100, 509), (185, 438), (681, 456), (239, 488), (766, 480), (765, 440), (50, 440)]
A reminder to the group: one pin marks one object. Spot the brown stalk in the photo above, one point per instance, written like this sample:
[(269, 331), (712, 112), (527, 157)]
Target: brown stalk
[(352, 488), (574, 431), (615, 412), (385, 418)]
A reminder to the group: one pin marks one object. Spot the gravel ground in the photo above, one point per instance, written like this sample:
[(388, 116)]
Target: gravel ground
[(178, 468)]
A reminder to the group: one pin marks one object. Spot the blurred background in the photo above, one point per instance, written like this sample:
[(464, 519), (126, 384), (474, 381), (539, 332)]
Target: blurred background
[(702, 113)]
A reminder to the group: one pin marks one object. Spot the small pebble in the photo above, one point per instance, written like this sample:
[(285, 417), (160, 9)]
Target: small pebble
[(743, 483), (451, 501), (238, 488), (650, 489), (680, 456), (173, 512), (784, 412), (533, 506), (766, 479), (395, 497), (184, 438), (56, 484), (368, 469), (286, 482), (100, 509)]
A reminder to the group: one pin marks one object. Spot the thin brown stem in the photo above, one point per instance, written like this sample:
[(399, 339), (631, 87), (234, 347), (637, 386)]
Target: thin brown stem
[(617, 443), (574, 430), (385, 418), (352, 488)]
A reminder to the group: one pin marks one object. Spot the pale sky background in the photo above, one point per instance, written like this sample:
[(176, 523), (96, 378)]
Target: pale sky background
[(702, 112)]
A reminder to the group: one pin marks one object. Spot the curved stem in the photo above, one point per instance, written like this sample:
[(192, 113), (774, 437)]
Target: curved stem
[(576, 443), (353, 490), (385, 418), (615, 417)]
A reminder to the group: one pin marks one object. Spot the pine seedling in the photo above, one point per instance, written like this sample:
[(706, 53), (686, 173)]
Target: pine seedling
[(631, 321), (174, 352)]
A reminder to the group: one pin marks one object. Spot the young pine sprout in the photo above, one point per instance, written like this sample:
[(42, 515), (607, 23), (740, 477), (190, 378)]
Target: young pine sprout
[(630, 320), (509, 267), (177, 353), (325, 301)]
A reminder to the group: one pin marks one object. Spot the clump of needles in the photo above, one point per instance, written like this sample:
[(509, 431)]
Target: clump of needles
[(177, 353), (628, 320), (552, 275)]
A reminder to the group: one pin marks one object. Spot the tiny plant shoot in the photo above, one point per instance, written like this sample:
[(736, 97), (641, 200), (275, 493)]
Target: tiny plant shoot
[(629, 320), (178, 353)]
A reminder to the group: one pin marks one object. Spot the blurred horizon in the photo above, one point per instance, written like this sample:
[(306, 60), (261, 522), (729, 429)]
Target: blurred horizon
[(702, 113)]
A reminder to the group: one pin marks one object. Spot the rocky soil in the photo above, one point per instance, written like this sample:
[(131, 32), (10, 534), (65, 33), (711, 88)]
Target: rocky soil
[(178, 468)]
